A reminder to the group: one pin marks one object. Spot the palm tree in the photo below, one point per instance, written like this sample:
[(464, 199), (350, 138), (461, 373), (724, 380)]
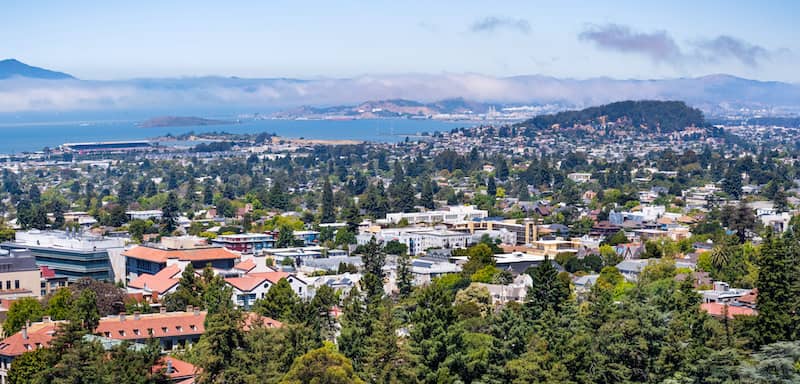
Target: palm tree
[(720, 256)]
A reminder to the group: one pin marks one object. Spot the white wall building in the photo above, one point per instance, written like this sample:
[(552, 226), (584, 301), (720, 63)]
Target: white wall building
[(452, 214), (418, 239)]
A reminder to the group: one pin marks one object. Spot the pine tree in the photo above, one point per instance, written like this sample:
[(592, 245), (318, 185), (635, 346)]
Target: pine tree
[(548, 292), (170, 213), (404, 277), (491, 187), (775, 294), (387, 360), (426, 196), (374, 260), (328, 215), (223, 336)]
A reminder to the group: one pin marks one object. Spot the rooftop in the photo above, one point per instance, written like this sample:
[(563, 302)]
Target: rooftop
[(161, 255)]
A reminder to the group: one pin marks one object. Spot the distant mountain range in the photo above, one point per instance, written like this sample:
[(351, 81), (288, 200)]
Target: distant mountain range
[(394, 108), (24, 88), (12, 68)]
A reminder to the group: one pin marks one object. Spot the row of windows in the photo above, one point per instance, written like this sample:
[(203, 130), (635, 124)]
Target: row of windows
[(150, 331)]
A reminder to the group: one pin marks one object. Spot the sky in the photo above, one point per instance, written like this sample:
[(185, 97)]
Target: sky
[(105, 40)]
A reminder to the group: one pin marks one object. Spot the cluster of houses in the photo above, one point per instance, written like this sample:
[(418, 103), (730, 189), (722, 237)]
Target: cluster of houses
[(39, 262)]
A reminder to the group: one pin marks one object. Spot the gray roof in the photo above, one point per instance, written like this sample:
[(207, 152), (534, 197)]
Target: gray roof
[(634, 266), (17, 260)]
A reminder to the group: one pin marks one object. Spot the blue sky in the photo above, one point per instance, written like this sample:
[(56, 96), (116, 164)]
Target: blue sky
[(309, 39)]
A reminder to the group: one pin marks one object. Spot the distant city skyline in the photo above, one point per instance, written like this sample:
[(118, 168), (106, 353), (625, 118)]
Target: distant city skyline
[(622, 39)]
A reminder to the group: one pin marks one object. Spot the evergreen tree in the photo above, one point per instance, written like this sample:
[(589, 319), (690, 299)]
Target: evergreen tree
[(279, 301), (405, 279), (277, 197), (328, 215), (426, 196), (188, 292), (125, 191), (208, 195), (548, 292), (355, 328), (776, 295), (223, 336), (374, 260), (491, 187), (170, 213), (732, 184), (387, 360)]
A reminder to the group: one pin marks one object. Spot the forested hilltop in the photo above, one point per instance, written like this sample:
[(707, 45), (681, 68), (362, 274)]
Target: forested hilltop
[(653, 115)]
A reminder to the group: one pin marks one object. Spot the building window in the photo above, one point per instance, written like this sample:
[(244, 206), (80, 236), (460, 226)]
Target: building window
[(8, 284), (16, 284)]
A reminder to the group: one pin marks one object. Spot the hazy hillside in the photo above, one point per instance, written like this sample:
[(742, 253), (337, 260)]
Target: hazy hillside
[(23, 89), (13, 68)]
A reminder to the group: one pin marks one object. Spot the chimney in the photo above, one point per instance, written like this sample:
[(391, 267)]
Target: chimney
[(122, 316), (169, 370), (197, 311), (25, 332), (188, 308), (163, 309), (45, 319), (136, 315)]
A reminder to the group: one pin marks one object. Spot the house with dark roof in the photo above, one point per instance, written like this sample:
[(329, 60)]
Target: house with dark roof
[(19, 275)]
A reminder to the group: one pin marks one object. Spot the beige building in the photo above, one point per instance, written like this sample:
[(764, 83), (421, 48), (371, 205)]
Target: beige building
[(19, 275)]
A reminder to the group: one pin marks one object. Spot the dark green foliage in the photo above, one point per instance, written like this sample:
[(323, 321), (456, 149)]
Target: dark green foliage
[(279, 302), (778, 286), (669, 116), (548, 292), (328, 214)]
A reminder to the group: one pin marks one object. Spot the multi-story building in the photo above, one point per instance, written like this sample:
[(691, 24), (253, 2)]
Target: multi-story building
[(418, 240), (74, 255), (453, 214), (246, 243), (253, 286), (174, 330), (151, 259), (19, 275)]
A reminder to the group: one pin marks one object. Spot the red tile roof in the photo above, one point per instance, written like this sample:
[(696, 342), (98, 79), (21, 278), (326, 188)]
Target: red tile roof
[(750, 299), (245, 283), (161, 282), (254, 318), (39, 335), (181, 370), (273, 277), (156, 325), (246, 265), (158, 255), (717, 309)]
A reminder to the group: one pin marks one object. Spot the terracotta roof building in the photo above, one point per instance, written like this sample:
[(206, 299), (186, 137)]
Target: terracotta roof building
[(718, 310), (253, 286), (172, 329), (151, 260)]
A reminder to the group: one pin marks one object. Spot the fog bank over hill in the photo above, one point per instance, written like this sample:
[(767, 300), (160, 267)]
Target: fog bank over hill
[(23, 92)]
